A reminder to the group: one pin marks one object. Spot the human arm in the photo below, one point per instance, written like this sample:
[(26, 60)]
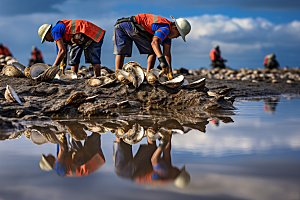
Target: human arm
[(61, 52)]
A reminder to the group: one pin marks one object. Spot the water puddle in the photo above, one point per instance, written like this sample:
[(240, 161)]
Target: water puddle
[(250, 153)]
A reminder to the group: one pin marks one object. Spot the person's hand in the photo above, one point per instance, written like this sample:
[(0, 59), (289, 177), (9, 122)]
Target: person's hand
[(163, 65), (170, 76), (63, 67)]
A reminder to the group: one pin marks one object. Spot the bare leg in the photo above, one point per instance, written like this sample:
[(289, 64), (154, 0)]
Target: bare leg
[(150, 61), (97, 69), (74, 68), (119, 61)]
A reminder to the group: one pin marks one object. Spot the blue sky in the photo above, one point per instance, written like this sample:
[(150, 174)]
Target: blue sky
[(245, 30)]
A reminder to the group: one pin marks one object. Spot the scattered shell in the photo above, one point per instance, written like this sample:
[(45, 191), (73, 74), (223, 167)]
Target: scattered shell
[(37, 70), (274, 81), (289, 81), (134, 135), (121, 131), (69, 74), (77, 97), (100, 81), (196, 84), (27, 72), (137, 70), (10, 95), (11, 70), (126, 77), (176, 82), (152, 77)]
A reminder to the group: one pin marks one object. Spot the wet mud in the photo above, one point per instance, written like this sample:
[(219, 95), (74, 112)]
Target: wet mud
[(72, 98)]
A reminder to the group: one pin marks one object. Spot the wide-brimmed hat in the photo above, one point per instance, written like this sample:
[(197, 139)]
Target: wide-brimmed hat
[(44, 164), (183, 26), (183, 178), (43, 30)]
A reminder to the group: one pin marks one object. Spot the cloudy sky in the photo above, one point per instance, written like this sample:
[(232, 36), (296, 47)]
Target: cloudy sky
[(245, 30)]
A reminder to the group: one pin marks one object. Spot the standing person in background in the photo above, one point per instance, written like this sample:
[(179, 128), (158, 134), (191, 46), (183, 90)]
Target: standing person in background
[(148, 32), (36, 56), (216, 58), (270, 62), (4, 50), (80, 35)]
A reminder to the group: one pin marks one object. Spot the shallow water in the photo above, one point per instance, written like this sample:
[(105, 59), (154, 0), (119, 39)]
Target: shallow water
[(254, 155)]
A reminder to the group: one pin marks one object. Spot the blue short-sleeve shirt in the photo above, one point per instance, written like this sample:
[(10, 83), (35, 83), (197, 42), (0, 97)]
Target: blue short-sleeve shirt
[(162, 31), (57, 32)]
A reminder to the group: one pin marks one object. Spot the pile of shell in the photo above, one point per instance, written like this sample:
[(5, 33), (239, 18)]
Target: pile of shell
[(38, 71), (133, 74), (7, 60), (289, 75)]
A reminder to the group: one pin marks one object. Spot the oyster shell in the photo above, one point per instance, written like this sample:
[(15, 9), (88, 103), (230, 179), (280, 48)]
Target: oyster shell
[(152, 77), (126, 77), (100, 81), (11, 70), (50, 73), (196, 84), (137, 70), (134, 135), (27, 72), (176, 82), (10, 95), (37, 70), (69, 74), (77, 97), (19, 65), (122, 131), (152, 133)]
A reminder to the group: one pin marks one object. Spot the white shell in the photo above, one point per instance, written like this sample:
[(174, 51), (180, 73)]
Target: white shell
[(19, 65), (196, 84), (11, 95), (37, 70), (176, 82), (137, 70), (69, 74)]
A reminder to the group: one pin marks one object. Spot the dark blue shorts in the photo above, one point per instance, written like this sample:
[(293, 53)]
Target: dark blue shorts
[(92, 54), (123, 37)]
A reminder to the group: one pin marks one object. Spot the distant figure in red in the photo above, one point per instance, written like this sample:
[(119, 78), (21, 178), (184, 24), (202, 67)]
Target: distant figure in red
[(4, 50), (36, 56), (270, 62), (216, 58)]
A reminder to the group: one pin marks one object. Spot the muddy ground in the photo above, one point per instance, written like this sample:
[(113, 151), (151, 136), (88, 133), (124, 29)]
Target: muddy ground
[(47, 100)]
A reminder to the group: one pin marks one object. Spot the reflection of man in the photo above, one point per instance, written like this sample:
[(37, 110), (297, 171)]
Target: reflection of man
[(270, 105), (270, 62), (79, 160), (216, 58), (147, 166)]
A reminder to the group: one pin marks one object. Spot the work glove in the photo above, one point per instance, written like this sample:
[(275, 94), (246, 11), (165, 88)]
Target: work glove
[(63, 67), (170, 76), (163, 65)]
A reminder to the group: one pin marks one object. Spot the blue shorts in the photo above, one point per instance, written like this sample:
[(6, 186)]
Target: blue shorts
[(128, 166), (123, 37), (92, 54)]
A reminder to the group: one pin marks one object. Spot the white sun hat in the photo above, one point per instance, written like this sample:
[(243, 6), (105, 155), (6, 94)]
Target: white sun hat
[(183, 26), (43, 30)]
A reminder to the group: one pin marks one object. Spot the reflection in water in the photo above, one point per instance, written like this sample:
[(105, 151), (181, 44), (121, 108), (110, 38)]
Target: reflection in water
[(147, 166), (270, 105), (73, 158)]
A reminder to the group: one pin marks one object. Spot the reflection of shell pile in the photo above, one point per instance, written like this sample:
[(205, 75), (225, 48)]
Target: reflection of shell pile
[(134, 135), (100, 81), (42, 72), (10, 95), (131, 72)]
